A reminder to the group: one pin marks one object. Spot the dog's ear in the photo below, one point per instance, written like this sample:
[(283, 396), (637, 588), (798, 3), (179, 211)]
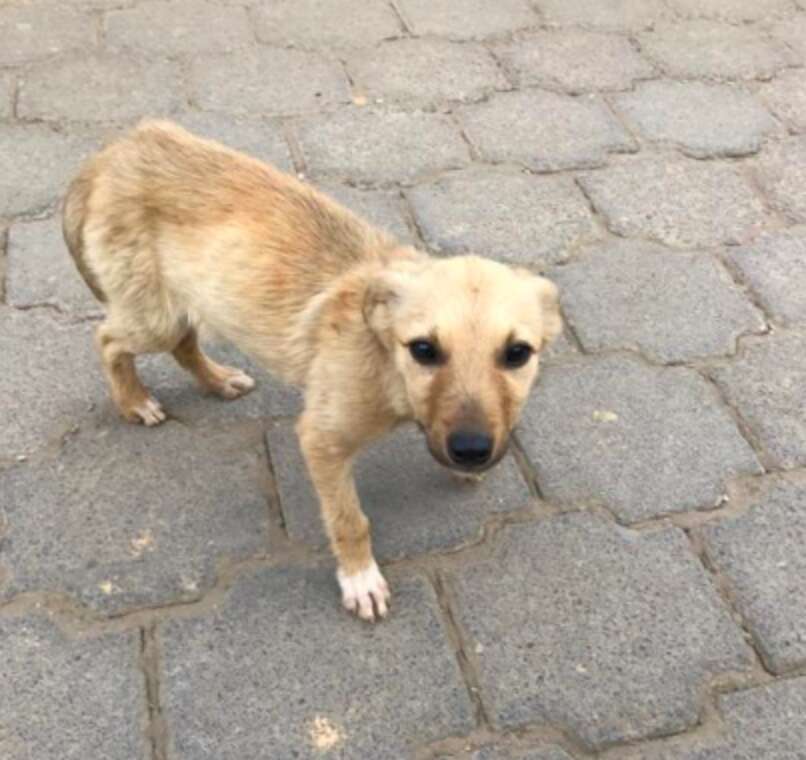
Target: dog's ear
[(549, 299), (384, 292)]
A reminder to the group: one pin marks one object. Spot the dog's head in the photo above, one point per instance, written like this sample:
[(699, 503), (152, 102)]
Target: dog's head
[(464, 334)]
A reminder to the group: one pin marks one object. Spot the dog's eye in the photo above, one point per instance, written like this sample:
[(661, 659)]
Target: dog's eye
[(517, 354), (424, 352)]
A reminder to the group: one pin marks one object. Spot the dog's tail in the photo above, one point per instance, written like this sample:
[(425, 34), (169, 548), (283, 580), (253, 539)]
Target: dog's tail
[(74, 215)]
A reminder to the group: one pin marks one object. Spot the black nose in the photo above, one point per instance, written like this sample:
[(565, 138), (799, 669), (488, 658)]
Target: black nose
[(470, 449)]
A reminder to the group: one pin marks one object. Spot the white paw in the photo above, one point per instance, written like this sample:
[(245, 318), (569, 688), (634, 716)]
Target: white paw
[(236, 384), (150, 412), (365, 593)]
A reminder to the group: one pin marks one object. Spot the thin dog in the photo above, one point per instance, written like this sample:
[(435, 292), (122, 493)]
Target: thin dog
[(172, 232)]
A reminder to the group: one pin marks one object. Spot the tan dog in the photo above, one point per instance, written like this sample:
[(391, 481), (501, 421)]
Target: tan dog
[(172, 232)]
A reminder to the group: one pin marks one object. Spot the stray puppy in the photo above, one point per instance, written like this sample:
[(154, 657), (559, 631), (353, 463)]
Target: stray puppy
[(171, 231)]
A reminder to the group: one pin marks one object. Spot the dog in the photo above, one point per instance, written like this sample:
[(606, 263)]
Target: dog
[(171, 232)]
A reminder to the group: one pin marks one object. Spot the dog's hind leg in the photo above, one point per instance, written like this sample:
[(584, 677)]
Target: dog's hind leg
[(118, 348), (227, 382)]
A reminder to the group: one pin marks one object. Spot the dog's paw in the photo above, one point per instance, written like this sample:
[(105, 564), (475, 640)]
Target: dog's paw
[(365, 593), (148, 412), (234, 384)]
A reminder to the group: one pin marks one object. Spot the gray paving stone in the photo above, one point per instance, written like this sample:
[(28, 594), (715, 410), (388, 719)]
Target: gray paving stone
[(782, 172), (472, 19), (368, 145), (611, 15), (786, 97), (6, 95), (50, 371), (113, 88), (736, 11), (765, 722), (316, 24), (182, 399), (492, 213), (383, 208), (131, 517), (766, 384), (574, 61), (41, 271), (279, 671), (671, 306), (679, 202), (66, 699), (178, 26), (705, 120), (544, 130), (607, 633), (35, 31), (267, 81), (36, 164), (793, 32), (425, 72), (640, 440), (712, 50), (263, 140), (497, 752), (415, 505), (775, 267), (761, 554)]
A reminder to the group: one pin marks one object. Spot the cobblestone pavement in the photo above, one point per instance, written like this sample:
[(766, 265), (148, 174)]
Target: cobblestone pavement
[(629, 584)]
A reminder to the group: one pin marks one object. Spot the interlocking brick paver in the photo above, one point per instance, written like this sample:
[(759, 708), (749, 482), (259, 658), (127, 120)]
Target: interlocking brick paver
[(278, 671), (248, 134), (712, 50), (367, 145), (672, 306), (607, 633), (42, 272), (775, 268), (69, 698), (113, 88), (764, 722), (544, 130), (574, 61), (793, 32), (178, 26), (130, 517), (761, 554), (7, 86), (425, 72), (383, 208), (782, 172), (612, 15), (267, 81), (641, 440), (34, 31), (706, 120), (48, 368), (679, 202), (736, 11), (36, 163), (510, 216), (497, 752), (312, 23), (414, 504), (472, 19), (766, 384), (786, 97)]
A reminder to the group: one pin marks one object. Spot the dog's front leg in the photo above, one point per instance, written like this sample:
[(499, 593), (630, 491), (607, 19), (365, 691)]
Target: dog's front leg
[(330, 463)]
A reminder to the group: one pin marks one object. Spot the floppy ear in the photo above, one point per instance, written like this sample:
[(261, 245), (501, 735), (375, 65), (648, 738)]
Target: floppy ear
[(384, 292), (549, 300)]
